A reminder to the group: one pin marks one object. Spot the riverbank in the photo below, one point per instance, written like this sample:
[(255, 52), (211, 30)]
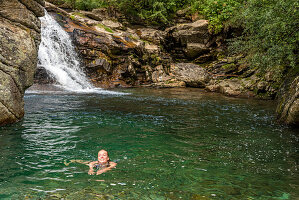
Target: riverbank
[(117, 54)]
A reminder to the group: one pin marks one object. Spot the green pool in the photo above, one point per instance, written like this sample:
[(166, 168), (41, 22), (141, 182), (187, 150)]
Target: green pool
[(168, 143)]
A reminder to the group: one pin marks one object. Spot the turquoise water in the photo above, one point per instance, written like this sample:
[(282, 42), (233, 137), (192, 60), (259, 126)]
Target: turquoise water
[(168, 143)]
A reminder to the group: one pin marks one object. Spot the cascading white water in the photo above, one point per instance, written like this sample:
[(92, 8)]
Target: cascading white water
[(58, 56)]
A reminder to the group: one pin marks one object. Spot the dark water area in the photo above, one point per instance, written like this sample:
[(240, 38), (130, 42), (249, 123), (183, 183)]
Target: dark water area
[(168, 144)]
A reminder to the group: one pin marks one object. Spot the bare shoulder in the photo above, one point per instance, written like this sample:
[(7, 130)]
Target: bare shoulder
[(92, 163)]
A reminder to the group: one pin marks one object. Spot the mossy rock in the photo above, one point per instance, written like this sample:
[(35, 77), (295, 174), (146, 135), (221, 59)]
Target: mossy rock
[(229, 67)]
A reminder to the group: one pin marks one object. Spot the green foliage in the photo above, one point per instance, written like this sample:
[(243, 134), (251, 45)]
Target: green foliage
[(270, 36), (105, 27), (153, 11), (87, 4), (216, 11)]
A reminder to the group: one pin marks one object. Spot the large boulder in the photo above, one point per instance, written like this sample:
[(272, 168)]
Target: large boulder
[(288, 106), (19, 42), (151, 35), (188, 40), (192, 74)]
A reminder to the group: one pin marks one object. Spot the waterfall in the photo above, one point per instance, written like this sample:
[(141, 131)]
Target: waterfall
[(58, 56)]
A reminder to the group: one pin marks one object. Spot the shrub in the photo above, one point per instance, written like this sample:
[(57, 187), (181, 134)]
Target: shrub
[(216, 11), (153, 11), (270, 36)]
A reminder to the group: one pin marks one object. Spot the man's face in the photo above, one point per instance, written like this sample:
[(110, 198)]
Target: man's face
[(103, 156)]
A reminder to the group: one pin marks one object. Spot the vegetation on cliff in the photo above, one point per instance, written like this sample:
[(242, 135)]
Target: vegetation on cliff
[(269, 27)]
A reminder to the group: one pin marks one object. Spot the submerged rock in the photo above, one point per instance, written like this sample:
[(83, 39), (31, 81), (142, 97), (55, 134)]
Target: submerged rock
[(19, 41)]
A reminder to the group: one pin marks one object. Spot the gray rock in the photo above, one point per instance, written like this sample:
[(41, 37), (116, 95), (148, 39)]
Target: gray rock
[(196, 32), (288, 107), (151, 35), (191, 74), (193, 50), (15, 11), (34, 6), (19, 41)]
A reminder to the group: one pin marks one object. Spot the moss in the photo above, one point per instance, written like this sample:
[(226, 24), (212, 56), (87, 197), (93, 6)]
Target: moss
[(145, 41), (105, 27), (133, 38), (229, 67), (79, 14)]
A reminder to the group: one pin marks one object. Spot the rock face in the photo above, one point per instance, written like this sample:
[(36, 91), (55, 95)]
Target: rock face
[(110, 56), (188, 40), (288, 106), (186, 54), (19, 41)]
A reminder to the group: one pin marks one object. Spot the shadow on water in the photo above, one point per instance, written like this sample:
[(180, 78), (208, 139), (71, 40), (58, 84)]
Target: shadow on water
[(168, 143)]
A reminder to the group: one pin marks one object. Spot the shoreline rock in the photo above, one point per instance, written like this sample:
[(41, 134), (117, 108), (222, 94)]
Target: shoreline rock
[(184, 55), (19, 42)]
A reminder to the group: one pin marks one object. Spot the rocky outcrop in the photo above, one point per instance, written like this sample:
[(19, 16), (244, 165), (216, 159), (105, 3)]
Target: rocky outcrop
[(109, 55), (19, 41), (186, 54), (189, 40), (288, 104)]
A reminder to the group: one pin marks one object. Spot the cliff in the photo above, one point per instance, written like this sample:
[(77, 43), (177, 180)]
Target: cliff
[(19, 42), (184, 55)]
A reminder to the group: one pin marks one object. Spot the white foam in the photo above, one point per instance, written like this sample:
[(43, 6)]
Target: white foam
[(58, 56)]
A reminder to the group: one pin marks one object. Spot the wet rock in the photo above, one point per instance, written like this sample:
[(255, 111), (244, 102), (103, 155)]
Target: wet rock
[(110, 57), (93, 15), (159, 75), (102, 13)]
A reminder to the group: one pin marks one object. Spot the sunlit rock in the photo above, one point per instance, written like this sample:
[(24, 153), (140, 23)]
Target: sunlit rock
[(19, 42)]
